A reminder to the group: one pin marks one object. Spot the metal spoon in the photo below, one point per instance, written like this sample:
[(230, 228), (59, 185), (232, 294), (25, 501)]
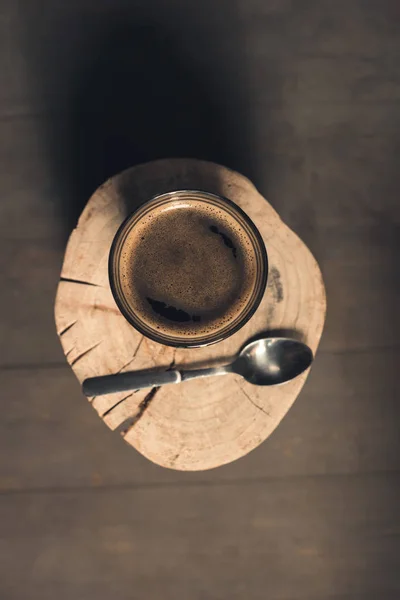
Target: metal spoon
[(268, 361)]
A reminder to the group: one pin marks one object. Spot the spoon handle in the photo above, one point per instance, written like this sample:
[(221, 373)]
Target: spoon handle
[(209, 371), (137, 380), (134, 380)]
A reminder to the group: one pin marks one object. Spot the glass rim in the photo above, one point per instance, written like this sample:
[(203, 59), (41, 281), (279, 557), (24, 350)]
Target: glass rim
[(186, 341)]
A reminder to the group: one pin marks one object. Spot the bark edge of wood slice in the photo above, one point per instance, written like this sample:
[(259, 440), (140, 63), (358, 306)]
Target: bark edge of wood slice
[(204, 423)]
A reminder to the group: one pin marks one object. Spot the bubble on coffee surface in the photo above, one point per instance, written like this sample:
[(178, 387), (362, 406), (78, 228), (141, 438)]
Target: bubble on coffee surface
[(187, 269)]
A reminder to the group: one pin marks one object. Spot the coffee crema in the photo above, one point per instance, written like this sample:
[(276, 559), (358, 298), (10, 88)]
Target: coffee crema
[(187, 267)]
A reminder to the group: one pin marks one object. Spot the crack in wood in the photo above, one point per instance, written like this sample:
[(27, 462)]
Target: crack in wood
[(253, 403), (79, 281), (67, 328), (133, 356), (117, 404), (106, 309), (172, 365), (129, 423), (175, 458), (82, 354)]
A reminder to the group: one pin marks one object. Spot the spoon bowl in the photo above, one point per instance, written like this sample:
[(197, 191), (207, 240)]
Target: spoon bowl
[(272, 361)]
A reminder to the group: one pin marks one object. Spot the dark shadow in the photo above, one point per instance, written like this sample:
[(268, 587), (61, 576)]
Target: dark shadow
[(125, 88)]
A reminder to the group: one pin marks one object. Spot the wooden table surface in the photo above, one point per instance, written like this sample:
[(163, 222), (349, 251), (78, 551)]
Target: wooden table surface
[(303, 98)]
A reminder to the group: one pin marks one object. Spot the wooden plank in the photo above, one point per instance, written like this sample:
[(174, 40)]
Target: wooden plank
[(321, 169), (312, 55), (362, 301), (33, 200), (302, 539), (322, 28), (328, 165), (30, 274), (304, 38), (344, 422)]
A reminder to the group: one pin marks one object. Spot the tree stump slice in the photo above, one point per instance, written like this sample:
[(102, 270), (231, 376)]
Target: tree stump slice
[(197, 424)]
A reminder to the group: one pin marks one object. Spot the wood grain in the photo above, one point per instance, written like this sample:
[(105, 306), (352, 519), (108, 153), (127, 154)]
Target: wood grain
[(199, 424), (281, 539)]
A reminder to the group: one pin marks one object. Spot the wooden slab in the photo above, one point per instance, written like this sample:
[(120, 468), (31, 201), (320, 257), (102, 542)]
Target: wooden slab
[(199, 424)]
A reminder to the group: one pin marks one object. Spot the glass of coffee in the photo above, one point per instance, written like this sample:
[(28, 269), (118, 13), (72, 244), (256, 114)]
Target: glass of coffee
[(188, 268)]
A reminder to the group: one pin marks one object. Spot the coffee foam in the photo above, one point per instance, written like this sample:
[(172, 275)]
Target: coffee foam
[(187, 268)]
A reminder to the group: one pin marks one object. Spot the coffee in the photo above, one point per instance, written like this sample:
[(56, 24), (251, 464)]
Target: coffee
[(188, 268)]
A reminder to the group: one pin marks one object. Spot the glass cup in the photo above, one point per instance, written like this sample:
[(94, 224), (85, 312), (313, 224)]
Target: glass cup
[(188, 268)]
